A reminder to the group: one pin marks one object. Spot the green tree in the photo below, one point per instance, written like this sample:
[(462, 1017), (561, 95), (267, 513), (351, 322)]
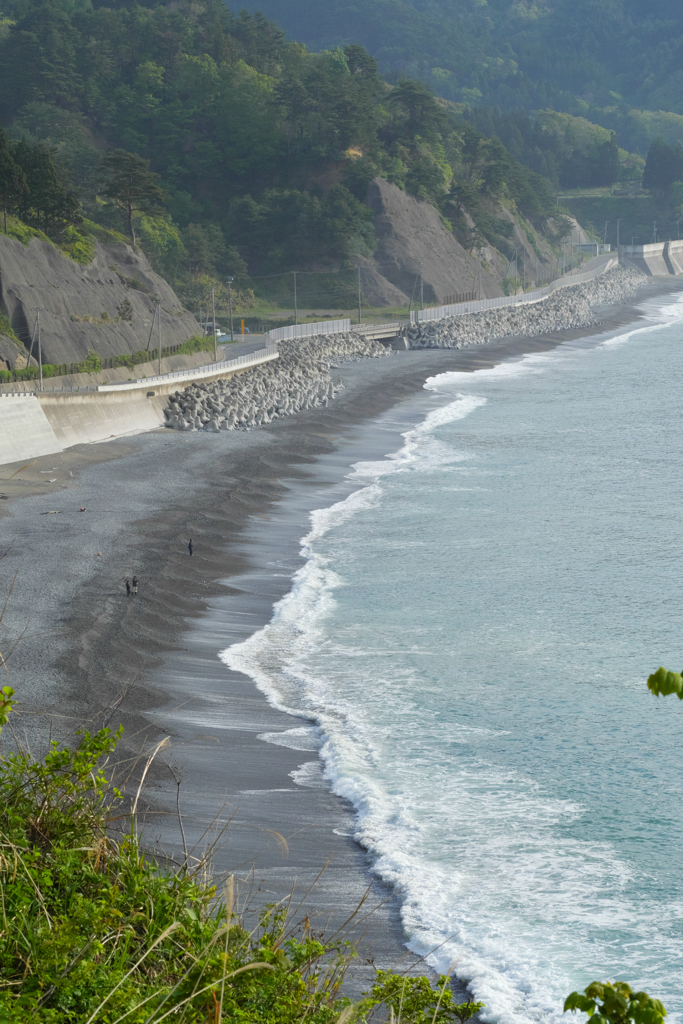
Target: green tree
[(47, 203), (12, 179), (131, 186), (615, 1003), (664, 165)]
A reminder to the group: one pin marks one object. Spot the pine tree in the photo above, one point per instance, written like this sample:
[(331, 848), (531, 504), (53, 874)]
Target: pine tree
[(131, 185)]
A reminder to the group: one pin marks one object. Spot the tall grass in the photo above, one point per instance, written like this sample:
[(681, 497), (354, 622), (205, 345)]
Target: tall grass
[(92, 930)]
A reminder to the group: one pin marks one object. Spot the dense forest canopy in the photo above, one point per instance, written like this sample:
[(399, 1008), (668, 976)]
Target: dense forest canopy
[(592, 58), (263, 150)]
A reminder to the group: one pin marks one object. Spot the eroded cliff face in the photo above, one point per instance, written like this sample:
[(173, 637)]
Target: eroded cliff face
[(411, 233), (81, 306)]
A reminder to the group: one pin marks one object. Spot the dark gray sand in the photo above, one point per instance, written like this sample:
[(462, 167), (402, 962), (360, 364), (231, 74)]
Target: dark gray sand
[(89, 653)]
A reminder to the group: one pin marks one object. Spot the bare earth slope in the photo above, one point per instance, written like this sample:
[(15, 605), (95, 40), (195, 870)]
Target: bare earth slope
[(410, 234), (68, 294)]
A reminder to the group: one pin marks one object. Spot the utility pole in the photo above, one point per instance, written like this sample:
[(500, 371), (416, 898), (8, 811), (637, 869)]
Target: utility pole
[(230, 280), (359, 295), (480, 275), (422, 290), (213, 311), (654, 230), (618, 223), (159, 332), (296, 311), (38, 310)]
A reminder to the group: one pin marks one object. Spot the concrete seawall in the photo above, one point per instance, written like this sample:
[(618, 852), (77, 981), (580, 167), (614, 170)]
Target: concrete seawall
[(25, 430), (49, 422), (656, 259)]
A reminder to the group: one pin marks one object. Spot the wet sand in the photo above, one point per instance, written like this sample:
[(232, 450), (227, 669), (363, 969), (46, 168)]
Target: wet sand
[(89, 653)]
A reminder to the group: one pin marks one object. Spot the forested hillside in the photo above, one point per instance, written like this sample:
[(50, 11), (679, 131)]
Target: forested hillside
[(263, 150), (567, 54)]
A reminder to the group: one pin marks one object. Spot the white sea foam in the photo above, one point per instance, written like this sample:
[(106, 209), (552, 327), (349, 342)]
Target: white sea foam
[(309, 774), (517, 887), (305, 738)]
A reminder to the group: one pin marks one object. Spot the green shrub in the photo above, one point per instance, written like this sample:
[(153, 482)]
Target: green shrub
[(78, 246), (23, 233), (6, 328), (93, 929), (102, 234)]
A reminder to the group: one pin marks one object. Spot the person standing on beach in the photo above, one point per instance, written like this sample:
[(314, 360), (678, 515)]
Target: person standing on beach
[(128, 587), (135, 584), (189, 546)]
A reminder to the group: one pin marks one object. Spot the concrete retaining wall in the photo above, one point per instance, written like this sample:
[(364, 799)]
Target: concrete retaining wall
[(42, 424), (25, 430), (656, 259)]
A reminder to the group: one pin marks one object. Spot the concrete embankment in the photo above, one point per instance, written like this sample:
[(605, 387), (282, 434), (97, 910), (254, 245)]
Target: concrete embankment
[(49, 422), (570, 308)]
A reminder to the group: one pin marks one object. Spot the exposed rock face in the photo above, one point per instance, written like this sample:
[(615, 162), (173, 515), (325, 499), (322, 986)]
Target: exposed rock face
[(38, 275), (299, 379), (409, 231), (572, 307)]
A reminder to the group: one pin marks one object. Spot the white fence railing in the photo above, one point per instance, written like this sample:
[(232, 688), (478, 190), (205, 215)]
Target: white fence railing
[(249, 358), (306, 330), (439, 312)]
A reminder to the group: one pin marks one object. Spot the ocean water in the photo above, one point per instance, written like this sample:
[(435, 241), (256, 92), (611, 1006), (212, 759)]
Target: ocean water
[(469, 639)]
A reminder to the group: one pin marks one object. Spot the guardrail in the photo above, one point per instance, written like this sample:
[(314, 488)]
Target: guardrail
[(440, 312), (395, 325), (306, 330), (269, 352)]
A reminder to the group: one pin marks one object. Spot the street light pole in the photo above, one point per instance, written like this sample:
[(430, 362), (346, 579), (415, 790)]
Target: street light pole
[(159, 332), (422, 289), (296, 311), (359, 295), (230, 280)]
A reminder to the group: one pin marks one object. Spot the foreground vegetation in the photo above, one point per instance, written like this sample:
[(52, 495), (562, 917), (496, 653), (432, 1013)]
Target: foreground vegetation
[(94, 931)]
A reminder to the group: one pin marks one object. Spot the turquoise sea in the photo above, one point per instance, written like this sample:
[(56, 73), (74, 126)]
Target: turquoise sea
[(469, 638)]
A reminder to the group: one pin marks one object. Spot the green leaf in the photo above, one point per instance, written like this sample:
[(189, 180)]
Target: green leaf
[(577, 1001), (662, 682)]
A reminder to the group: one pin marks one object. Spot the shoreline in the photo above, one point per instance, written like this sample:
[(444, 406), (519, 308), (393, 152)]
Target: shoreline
[(246, 505)]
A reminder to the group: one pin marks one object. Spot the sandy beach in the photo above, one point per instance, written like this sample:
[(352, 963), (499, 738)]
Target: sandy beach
[(89, 654)]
